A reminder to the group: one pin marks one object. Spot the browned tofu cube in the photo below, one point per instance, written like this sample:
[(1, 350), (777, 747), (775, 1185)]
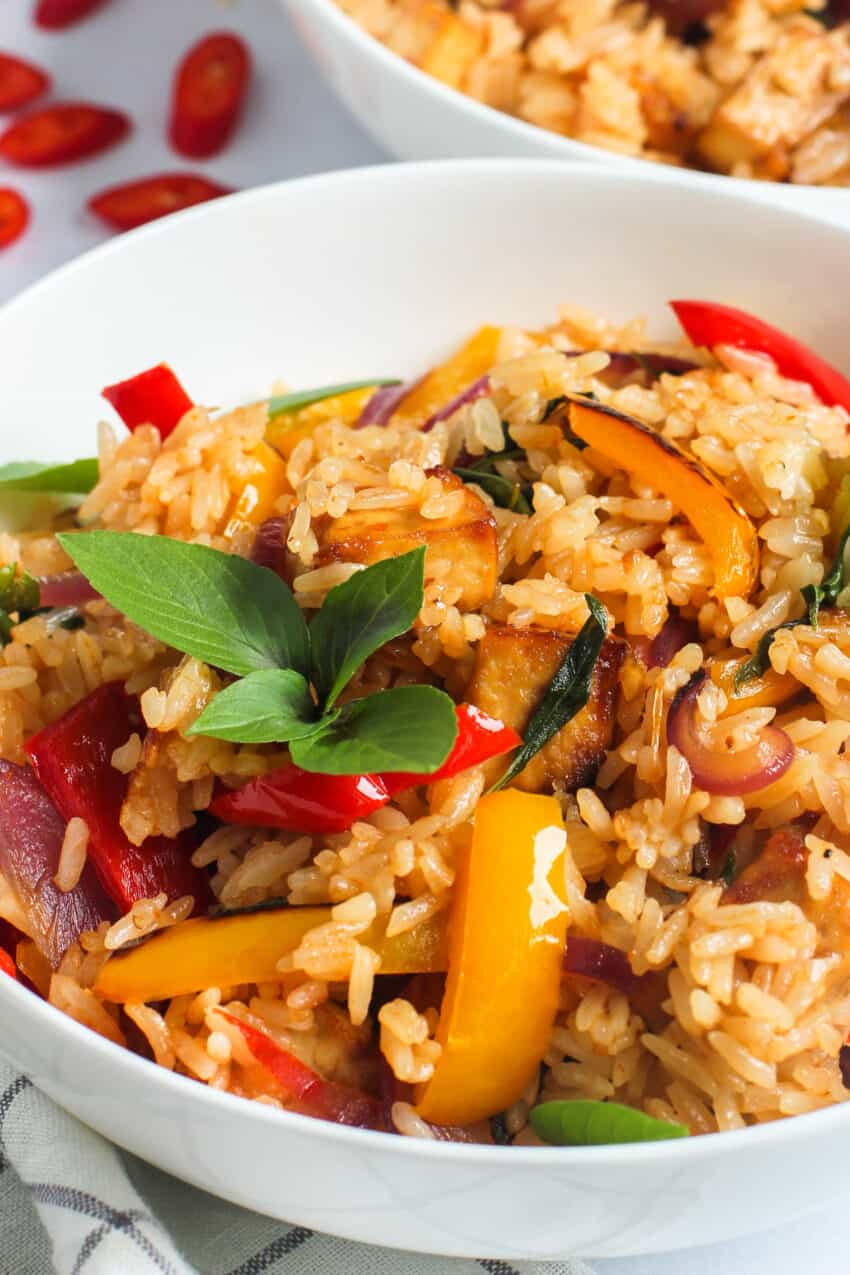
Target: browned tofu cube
[(466, 540), (514, 668), (789, 93)]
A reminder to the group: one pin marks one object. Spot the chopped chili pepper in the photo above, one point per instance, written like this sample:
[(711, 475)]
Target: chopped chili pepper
[(20, 82), (136, 203), (61, 133), (479, 738), (7, 965), (710, 325), (53, 15), (209, 90), (324, 1099), (73, 760), (154, 397), (301, 801), (14, 216)]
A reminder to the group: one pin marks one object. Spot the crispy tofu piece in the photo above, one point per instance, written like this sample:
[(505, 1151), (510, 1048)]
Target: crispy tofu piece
[(466, 540), (778, 875), (513, 669), (789, 92)]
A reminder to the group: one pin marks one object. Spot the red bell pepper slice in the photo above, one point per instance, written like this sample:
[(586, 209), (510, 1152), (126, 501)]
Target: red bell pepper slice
[(154, 397), (709, 325), (135, 203), (323, 1099), (14, 216), (209, 90), (7, 965), (479, 738), (20, 82), (73, 760), (302, 801), (61, 133), (54, 15)]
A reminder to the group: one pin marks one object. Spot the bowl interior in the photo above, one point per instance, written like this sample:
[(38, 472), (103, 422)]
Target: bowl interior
[(377, 272)]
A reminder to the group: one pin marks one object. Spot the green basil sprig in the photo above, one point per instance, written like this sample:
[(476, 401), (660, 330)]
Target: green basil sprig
[(283, 403), (567, 693), (242, 618), (19, 593), (77, 477), (816, 597), (588, 1122), (361, 614)]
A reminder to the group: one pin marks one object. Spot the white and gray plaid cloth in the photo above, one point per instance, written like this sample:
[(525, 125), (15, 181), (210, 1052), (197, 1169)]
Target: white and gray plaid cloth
[(72, 1204)]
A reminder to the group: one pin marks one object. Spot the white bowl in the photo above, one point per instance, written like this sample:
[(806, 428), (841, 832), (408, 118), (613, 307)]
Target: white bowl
[(379, 271), (417, 117)]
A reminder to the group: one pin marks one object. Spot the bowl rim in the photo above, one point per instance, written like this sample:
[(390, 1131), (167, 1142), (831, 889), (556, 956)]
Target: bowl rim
[(371, 46), (16, 999)]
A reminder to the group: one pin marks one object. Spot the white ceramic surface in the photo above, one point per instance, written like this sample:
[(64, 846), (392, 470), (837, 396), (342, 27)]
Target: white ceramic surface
[(417, 117), (380, 271)]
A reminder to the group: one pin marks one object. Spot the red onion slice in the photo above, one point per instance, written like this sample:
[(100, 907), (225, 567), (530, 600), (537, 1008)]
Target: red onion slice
[(383, 403), (269, 543), (31, 834), (68, 589), (727, 774), (476, 390), (600, 961), (675, 633)]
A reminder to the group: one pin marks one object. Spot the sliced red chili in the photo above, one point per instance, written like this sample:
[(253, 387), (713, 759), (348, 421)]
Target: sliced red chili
[(14, 216), (710, 325), (209, 89), (154, 397), (20, 82), (61, 133), (7, 965), (53, 15), (135, 203)]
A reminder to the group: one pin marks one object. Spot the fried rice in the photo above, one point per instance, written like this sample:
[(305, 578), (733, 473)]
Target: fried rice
[(738, 1002), (751, 88)]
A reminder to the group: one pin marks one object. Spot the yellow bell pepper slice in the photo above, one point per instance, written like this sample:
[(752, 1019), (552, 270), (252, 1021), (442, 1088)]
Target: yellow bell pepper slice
[(452, 52), (261, 492), (725, 529), (475, 357), (768, 690), (506, 946), (287, 430), (245, 947)]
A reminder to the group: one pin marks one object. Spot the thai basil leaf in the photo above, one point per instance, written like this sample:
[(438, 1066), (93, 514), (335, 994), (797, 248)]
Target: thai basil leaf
[(588, 1122), (216, 606), (266, 707), (730, 867), (499, 1131), (826, 593), (19, 592), (77, 477), (504, 492), (282, 403), (568, 692), (408, 728), (360, 615)]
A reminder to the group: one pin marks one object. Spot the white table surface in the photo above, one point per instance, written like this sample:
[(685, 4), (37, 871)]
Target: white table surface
[(125, 56)]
